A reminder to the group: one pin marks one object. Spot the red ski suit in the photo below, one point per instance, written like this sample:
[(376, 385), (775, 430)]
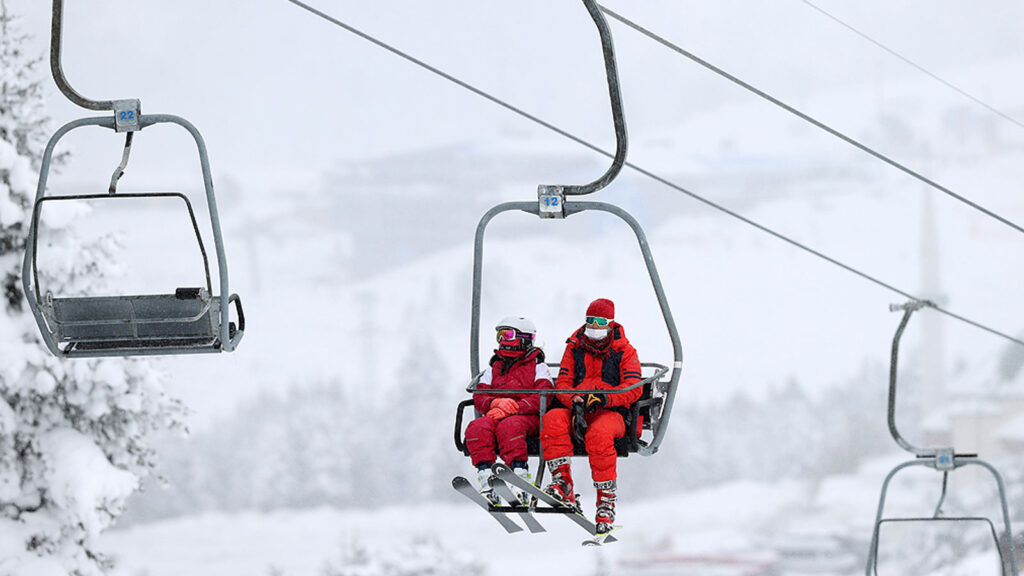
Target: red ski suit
[(486, 436), (586, 367)]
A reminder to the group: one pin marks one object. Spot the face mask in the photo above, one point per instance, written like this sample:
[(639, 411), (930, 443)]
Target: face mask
[(508, 352), (596, 333)]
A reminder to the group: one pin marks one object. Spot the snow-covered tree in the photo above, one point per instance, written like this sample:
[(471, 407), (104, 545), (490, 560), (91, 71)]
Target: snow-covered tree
[(74, 435), (420, 415)]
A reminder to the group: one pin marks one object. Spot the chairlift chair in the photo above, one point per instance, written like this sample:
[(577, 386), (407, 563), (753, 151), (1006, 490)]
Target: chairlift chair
[(185, 320), (648, 422), (944, 460)]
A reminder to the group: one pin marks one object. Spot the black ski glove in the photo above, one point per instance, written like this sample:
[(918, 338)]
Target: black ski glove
[(595, 401)]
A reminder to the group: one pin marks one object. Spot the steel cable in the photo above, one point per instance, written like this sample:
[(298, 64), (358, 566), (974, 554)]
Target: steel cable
[(638, 169), (855, 143), (915, 65)]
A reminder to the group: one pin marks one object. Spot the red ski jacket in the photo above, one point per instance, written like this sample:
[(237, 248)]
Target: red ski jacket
[(529, 372), (616, 367)]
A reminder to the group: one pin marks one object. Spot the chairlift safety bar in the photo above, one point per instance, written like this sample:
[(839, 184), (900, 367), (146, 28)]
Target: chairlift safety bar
[(872, 563)]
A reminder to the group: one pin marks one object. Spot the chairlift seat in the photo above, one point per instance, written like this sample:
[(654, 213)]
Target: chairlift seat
[(138, 324), (637, 419)]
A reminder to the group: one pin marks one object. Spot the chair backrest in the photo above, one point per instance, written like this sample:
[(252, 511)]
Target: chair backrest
[(144, 317)]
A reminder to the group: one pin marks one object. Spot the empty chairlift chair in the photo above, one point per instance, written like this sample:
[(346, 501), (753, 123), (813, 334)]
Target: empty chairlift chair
[(943, 460), (183, 320)]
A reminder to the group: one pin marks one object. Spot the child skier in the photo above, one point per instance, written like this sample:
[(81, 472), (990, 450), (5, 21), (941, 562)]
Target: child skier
[(508, 418)]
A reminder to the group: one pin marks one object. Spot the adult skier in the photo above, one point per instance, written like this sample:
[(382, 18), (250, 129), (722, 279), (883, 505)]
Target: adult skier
[(508, 418), (597, 357)]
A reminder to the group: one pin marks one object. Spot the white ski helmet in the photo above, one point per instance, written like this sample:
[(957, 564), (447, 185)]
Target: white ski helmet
[(519, 324)]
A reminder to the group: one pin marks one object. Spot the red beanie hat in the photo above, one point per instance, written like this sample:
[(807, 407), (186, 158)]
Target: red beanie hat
[(603, 308)]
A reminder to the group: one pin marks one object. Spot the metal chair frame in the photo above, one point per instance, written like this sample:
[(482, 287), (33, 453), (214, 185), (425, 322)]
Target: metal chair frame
[(940, 459), (175, 327)]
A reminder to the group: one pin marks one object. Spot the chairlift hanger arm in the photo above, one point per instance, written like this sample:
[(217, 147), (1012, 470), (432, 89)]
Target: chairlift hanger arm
[(127, 112), (56, 27), (615, 95), (908, 309)]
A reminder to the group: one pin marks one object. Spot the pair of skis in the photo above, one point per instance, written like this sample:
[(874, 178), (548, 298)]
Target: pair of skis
[(500, 482)]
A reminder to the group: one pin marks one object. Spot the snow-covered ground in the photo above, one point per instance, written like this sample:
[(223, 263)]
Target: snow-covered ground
[(726, 521), (797, 527)]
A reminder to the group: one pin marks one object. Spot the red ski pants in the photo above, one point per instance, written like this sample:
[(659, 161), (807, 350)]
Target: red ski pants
[(603, 427), (486, 436)]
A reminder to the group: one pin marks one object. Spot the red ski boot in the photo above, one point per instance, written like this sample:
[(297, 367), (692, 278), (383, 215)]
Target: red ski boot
[(561, 487), (605, 517)]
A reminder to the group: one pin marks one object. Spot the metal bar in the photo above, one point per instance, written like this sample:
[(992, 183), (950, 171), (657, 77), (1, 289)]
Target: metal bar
[(942, 496), (893, 360), (188, 206), (666, 312), (472, 389), (1011, 546), (908, 309), (615, 97), (218, 240), (119, 171), (478, 264), (56, 26), (871, 567)]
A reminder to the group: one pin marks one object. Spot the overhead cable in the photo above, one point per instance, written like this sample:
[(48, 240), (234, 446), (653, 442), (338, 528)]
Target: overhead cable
[(643, 171), (915, 65), (809, 119)]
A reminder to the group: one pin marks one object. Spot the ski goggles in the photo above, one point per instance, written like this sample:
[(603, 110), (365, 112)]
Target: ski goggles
[(598, 321), (506, 335)]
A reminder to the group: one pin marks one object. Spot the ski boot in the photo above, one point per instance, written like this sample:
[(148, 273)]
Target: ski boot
[(561, 487), (605, 517), (523, 471), (483, 478)]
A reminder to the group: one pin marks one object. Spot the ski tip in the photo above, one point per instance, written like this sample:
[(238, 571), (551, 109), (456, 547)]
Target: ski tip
[(605, 538)]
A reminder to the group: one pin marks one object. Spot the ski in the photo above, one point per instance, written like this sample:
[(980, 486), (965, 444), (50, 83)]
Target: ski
[(505, 473), (600, 539), (505, 493), (466, 488)]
